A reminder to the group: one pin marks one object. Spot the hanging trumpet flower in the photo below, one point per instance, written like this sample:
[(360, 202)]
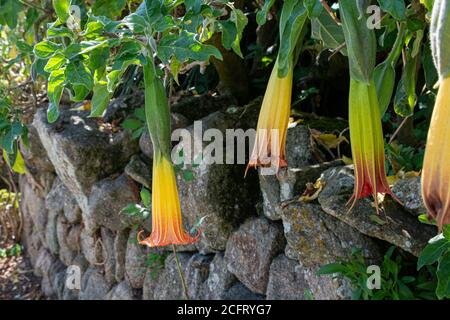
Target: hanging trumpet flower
[(364, 113), (167, 226), (366, 136), (436, 167), (269, 148), (270, 142)]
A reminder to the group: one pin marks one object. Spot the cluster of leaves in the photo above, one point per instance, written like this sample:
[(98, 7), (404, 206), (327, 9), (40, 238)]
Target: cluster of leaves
[(396, 283), (437, 253), (13, 251), (85, 52)]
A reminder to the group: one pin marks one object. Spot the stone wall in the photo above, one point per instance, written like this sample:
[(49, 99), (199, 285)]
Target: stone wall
[(258, 242)]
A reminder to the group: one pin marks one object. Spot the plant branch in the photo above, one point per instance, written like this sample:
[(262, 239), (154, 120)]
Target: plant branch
[(330, 12)]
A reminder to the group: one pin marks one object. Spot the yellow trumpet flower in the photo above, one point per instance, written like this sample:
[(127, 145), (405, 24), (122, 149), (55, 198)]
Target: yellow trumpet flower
[(270, 141), (366, 137), (436, 166), (167, 227)]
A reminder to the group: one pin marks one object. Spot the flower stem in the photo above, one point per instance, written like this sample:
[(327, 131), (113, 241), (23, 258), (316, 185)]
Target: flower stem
[(180, 273)]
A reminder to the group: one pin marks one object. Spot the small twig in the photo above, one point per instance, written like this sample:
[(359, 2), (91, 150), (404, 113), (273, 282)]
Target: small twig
[(180, 272), (330, 12), (32, 5), (398, 129), (336, 50)]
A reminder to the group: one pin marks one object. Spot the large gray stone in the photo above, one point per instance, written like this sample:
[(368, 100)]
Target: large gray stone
[(139, 171), (399, 227), (315, 238), (80, 152), (408, 191), (108, 253), (250, 251), (218, 195), (240, 292), (286, 281), (120, 249), (33, 205), (94, 286), (135, 261), (121, 292), (219, 280), (289, 183), (90, 247), (68, 240), (108, 198), (165, 284)]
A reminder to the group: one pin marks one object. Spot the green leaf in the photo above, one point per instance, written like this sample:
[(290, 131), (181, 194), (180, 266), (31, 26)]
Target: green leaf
[(131, 124), (78, 74), (185, 47), (332, 268), (146, 197), (360, 40), (292, 22), (446, 231), (395, 8), (61, 31), (432, 252), (323, 28), (261, 16), (55, 62), (62, 9), (188, 175), (46, 49), (443, 276), (108, 8), (229, 33), (240, 21), (100, 99), (9, 12), (56, 82), (313, 7)]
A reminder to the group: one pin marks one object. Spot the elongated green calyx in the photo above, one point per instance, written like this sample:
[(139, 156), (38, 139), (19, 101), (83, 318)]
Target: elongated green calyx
[(359, 39), (440, 37), (156, 110)]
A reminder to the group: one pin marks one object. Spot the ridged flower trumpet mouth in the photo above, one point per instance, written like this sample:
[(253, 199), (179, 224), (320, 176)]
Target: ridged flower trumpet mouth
[(270, 141), (436, 166), (167, 227), (367, 142)]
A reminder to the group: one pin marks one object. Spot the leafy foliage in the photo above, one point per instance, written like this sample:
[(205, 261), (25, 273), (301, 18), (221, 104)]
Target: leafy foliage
[(396, 282)]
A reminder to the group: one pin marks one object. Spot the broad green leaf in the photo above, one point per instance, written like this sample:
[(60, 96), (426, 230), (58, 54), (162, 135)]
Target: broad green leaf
[(146, 197), (100, 99), (9, 12), (78, 74), (185, 47), (331, 269), (132, 124), (261, 16), (313, 7), (62, 9), (325, 29), (432, 252), (46, 49), (292, 22), (240, 21), (55, 62), (61, 31), (19, 165), (443, 276), (56, 82), (395, 8), (108, 8), (229, 33), (360, 41)]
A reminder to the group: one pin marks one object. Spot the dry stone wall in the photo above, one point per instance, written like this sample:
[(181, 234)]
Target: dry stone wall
[(258, 242)]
